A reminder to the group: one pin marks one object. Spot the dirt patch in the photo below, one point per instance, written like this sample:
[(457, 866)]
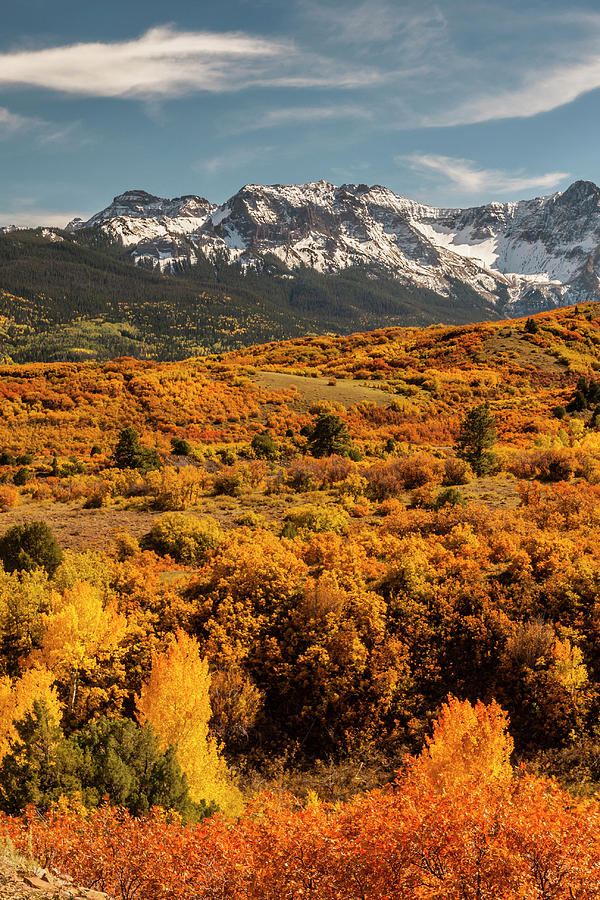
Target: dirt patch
[(81, 529), (522, 352), (316, 390), (493, 490)]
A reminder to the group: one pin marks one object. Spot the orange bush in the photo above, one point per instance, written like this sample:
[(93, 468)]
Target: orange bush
[(9, 497)]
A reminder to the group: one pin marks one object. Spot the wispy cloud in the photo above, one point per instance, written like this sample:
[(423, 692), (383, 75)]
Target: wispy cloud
[(231, 159), (408, 28), (12, 123), (47, 134), (540, 92), (466, 177), (297, 115), (165, 62)]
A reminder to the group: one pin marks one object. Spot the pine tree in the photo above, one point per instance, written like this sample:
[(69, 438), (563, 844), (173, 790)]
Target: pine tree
[(30, 546), (329, 435), (477, 435)]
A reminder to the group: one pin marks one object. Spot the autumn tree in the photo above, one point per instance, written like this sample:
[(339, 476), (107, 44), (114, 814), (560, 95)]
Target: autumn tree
[(175, 700), (79, 631), (17, 698)]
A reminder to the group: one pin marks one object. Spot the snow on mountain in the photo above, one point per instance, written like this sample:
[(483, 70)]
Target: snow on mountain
[(518, 256)]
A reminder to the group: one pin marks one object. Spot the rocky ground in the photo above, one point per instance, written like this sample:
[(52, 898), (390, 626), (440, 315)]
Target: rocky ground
[(20, 881)]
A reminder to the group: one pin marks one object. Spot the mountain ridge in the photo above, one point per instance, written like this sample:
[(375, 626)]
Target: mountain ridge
[(518, 256)]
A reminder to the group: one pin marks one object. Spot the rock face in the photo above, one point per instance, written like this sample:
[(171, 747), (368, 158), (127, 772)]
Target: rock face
[(518, 257)]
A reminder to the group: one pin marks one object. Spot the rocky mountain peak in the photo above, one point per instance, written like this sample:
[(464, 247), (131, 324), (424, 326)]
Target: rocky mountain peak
[(518, 256)]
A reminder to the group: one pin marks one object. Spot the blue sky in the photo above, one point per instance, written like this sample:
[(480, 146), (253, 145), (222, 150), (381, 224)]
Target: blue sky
[(452, 103)]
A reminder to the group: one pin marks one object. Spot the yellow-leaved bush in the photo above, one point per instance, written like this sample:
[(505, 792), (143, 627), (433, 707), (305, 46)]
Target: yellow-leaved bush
[(469, 744)]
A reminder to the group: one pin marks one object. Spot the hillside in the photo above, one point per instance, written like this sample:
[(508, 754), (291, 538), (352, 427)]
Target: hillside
[(66, 296), (265, 612)]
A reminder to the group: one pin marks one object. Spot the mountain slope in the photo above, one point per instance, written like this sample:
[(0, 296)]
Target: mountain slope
[(516, 257), (77, 295)]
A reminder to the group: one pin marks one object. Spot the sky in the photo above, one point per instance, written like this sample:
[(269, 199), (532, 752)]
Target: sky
[(452, 103)]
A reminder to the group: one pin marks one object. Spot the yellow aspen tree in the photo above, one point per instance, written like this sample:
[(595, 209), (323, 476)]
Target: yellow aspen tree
[(469, 744), (568, 667), (17, 698), (78, 629), (175, 700)]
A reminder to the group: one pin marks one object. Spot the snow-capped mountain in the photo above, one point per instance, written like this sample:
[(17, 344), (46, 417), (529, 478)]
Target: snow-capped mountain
[(518, 257)]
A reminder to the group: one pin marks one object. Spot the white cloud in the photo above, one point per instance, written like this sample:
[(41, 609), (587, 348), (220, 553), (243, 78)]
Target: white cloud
[(165, 63), (466, 176), (539, 93)]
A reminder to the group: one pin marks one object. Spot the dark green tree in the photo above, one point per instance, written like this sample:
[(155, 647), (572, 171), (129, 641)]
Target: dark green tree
[(477, 435), (180, 447), (22, 476), (31, 771), (109, 758), (531, 326), (129, 453), (264, 446), (24, 548), (329, 435)]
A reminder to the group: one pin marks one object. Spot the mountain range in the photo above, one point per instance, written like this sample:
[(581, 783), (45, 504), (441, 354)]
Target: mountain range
[(169, 278), (518, 257)]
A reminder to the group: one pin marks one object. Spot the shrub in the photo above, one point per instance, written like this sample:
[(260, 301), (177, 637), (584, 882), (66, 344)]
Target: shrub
[(314, 518), (176, 488), (7, 459), (229, 481), (232, 480), (180, 447), (125, 545), (530, 642), (24, 459), (450, 496), (554, 465), (388, 479), (312, 474), (22, 476), (8, 497), (28, 547), (264, 447), (456, 471), (185, 538), (250, 519)]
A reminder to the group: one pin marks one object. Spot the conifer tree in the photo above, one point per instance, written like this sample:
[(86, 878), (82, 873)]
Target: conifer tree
[(477, 435)]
